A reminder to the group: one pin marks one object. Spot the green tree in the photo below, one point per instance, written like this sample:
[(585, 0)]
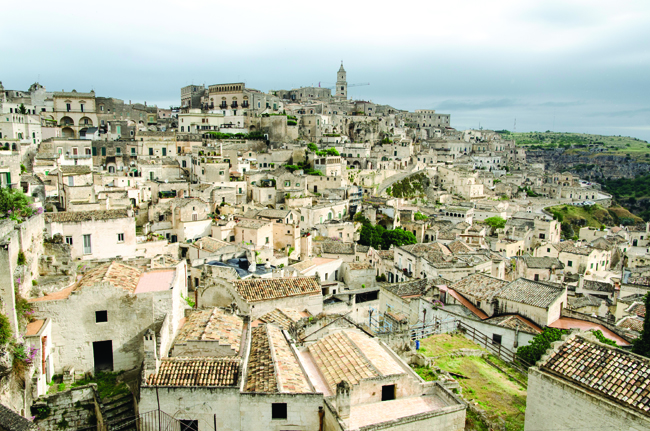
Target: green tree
[(312, 147), (397, 237), (22, 109), (642, 344), (495, 222), (371, 235), (332, 152)]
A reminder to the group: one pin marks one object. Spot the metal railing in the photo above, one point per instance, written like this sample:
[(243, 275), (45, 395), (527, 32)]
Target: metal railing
[(154, 420), (493, 347)]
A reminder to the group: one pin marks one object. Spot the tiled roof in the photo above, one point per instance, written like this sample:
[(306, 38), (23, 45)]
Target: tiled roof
[(632, 298), (535, 293), (516, 322), (637, 308), (273, 213), (283, 317), (632, 323), (264, 289), (210, 244), (188, 372), (74, 169), (570, 247), (79, 216), (118, 274), (252, 224), (598, 286), (585, 301), (213, 325), (458, 246), (425, 249), (289, 375), (607, 371), (410, 288), (335, 247), (351, 356), (261, 369), (12, 421), (542, 262), (479, 286)]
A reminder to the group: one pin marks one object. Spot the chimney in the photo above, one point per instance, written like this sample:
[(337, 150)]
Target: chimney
[(151, 360), (343, 399)]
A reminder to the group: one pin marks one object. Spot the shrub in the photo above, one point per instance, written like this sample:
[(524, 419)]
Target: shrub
[(419, 216), (21, 258), (5, 330), (539, 345)]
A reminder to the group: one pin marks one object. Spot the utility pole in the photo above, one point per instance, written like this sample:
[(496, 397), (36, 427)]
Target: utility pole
[(515, 128)]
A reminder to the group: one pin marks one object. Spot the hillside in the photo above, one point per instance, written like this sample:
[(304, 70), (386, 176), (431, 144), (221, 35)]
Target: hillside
[(575, 217), (592, 157), (576, 143)]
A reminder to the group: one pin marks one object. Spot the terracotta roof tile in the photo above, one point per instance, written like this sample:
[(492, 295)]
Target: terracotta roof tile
[(282, 317), (264, 289), (79, 216), (213, 325), (261, 368), (637, 308), (535, 293), (608, 371), (118, 274), (351, 356), (196, 372), (288, 372), (479, 286)]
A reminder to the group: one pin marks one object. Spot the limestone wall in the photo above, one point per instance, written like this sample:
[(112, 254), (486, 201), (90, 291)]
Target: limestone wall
[(71, 409), (556, 404)]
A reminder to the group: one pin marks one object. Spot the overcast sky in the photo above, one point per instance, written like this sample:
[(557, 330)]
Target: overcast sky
[(553, 65)]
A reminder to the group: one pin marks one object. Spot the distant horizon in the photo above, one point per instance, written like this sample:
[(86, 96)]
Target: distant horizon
[(572, 65)]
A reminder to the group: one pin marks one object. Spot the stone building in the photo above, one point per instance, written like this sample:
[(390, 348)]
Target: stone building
[(581, 383), (98, 323), (98, 234), (75, 112)]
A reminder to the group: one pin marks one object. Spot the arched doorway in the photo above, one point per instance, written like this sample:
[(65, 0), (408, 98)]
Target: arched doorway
[(67, 132)]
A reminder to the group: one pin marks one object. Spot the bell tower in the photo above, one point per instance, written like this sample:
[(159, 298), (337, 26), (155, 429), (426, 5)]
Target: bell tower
[(341, 84)]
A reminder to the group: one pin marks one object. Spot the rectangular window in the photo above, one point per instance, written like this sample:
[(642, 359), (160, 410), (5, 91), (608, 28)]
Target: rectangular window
[(189, 425), (68, 240), (570, 263), (120, 237), (118, 151), (101, 316), (279, 411), (496, 339), (87, 245), (68, 107), (388, 392), (132, 151), (151, 151), (103, 151), (287, 183), (542, 236), (536, 277), (178, 150), (164, 151), (267, 240)]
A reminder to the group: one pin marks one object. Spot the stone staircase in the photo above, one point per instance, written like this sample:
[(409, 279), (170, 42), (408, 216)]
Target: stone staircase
[(119, 412)]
